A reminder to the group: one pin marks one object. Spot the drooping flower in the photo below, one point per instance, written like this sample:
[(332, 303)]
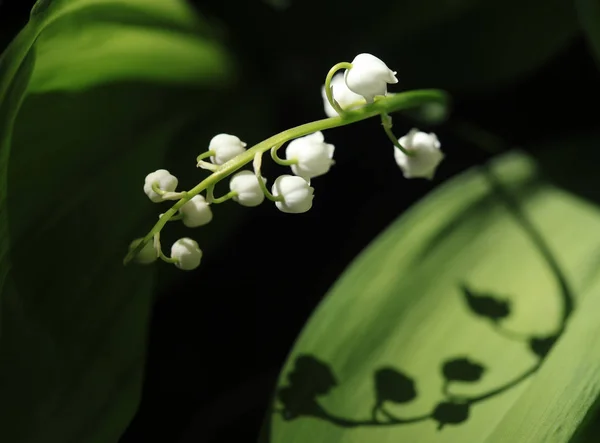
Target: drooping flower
[(165, 182), (187, 253), (225, 147), (369, 76), (196, 212), (314, 156), (344, 96), (296, 192), (425, 158), (249, 192)]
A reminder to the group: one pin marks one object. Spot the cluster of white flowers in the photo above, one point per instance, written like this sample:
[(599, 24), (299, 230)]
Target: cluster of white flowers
[(308, 157), (417, 153), (366, 79)]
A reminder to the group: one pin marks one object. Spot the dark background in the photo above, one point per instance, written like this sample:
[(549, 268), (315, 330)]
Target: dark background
[(215, 351)]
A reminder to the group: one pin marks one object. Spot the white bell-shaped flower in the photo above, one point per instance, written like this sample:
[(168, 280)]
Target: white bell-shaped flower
[(369, 76), (146, 255), (196, 212), (426, 154), (344, 96), (296, 192), (314, 156), (225, 147), (187, 253), (165, 181), (249, 192)]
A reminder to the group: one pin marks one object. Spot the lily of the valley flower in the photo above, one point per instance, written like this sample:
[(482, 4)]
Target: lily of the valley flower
[(225, 147), (314, 157), (426, 154), (147, 254), (196, 212), (248, 192), (369, 76), (344, 96), (163, 179), (296, 192), (187, 253)]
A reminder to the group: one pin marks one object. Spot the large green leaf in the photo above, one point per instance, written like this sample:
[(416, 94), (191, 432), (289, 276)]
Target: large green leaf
[(93, 95), (443, 330)]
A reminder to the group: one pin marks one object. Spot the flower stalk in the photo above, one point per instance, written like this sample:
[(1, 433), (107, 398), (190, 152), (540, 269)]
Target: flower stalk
[(382, 106)]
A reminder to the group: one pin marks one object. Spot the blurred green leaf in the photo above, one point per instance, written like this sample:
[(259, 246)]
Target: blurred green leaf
[(500, 229), (93, 96)]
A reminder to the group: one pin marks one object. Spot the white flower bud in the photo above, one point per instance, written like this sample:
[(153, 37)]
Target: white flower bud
[(225, 147), (146, 255), (165, 181), (369, 76), (296, 192), (344, 96), (426, 154), (314, 156), (187, 253), (249, 193), (196, 212)]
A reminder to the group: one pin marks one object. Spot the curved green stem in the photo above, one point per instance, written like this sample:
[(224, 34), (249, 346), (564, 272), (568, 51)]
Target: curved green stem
[(261, 182), (397, 102), (204, 155), (386, 121), (156, 188), (226, 197), (164, 258), (206, 165), (329, 92), (279, 160), (167, 195), (176, 217)]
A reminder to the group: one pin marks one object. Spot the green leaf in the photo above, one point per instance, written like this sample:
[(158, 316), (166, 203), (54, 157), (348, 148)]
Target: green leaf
[(503, 229), (93, 96)]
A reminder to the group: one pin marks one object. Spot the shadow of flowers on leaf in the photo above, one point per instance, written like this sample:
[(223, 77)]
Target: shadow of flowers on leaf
[(462, 369), (392, 385), (541, 346), (450, 413), (486, 305), (311, 378)]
